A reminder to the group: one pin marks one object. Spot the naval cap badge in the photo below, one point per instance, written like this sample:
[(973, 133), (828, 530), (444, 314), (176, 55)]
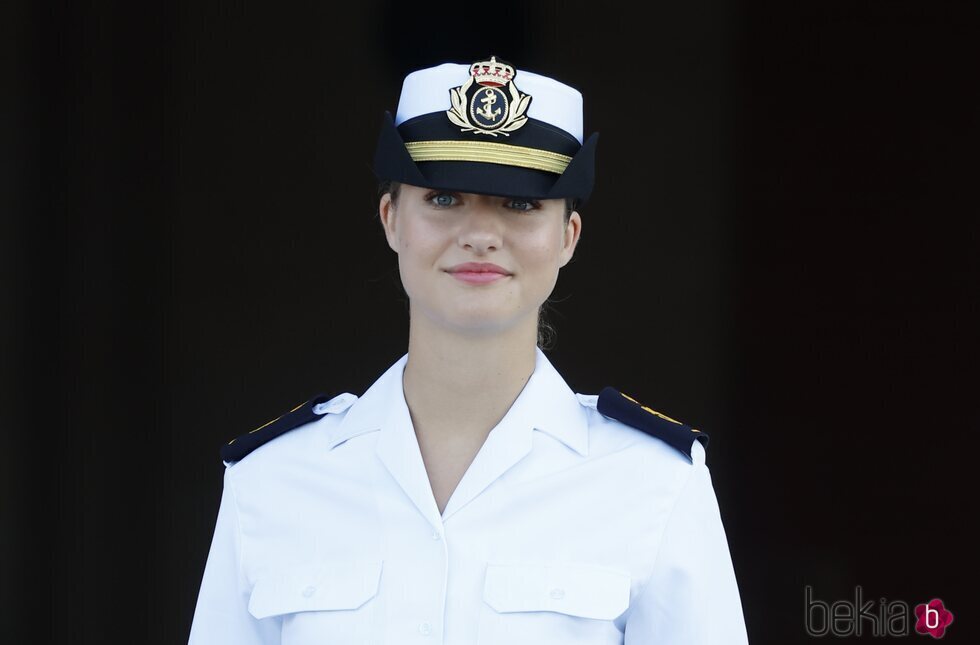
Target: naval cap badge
[(489, 101)]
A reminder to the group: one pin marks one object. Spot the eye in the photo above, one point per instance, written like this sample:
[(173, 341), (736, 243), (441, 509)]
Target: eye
[(441, 200), (523, 204)]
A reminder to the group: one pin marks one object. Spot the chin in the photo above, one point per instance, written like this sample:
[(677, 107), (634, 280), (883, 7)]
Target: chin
[(481, 315), (479, 321)]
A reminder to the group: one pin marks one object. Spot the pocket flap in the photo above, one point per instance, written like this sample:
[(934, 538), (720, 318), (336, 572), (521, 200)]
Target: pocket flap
[(585, 590), (315, 587)]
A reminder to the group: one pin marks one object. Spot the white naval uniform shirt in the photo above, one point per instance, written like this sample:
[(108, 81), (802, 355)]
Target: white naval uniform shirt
[(568, 527)]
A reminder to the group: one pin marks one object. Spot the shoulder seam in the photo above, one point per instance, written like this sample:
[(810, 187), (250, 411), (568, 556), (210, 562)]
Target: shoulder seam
[(663, 531), (240, 568)]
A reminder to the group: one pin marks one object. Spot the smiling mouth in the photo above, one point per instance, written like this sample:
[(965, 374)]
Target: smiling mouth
[(478, 277)]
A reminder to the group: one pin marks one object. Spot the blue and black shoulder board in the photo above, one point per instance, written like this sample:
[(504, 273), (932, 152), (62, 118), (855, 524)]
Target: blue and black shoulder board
[(237, 448), (616, 405)]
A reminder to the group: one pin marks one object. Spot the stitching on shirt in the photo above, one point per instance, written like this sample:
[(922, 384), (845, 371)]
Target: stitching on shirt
[(238, 531), (663, 531)]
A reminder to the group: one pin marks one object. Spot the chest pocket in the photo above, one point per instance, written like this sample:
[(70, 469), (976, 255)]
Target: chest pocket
[(320, 600), (553, 603)]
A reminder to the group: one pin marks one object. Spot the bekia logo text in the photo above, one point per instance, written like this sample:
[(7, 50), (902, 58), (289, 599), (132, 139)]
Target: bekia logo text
[(882, 618)]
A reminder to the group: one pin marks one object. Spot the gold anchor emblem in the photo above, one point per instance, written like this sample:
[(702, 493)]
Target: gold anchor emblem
[(499, 108), (489, 98)]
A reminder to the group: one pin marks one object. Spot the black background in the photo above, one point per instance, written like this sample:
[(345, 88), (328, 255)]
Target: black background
[(781, 249)]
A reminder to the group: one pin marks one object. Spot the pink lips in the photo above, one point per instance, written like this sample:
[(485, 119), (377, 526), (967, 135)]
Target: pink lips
[(478, 272)]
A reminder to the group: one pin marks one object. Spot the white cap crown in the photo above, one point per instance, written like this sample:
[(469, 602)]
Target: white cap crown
[(427, 90)]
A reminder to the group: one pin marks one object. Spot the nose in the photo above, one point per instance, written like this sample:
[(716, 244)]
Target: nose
[(480, 228)]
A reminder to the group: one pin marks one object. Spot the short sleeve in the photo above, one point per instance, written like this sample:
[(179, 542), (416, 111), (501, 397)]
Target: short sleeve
[(222, 614), (691, 596)]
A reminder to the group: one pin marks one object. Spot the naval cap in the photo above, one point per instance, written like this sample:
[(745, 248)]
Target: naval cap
[(428, 90), (488, 128)]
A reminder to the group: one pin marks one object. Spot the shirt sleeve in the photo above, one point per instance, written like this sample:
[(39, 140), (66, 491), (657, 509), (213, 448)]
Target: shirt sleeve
[(222, 614), (691, 596)]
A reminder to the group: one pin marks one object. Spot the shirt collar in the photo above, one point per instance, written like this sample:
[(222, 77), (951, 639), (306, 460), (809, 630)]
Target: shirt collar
[(546, 403)]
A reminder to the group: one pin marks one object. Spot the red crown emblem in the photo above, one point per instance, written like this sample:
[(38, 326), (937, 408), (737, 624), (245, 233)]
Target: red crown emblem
[(491, 73)]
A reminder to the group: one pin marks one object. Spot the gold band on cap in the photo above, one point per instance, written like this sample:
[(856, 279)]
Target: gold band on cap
[(488, 152)]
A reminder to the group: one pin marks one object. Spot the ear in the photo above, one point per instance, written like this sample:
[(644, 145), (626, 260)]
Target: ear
[(388, 217), (573, 230)]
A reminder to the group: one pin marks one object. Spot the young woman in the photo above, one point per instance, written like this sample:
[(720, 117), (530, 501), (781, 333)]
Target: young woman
[(469, 495)]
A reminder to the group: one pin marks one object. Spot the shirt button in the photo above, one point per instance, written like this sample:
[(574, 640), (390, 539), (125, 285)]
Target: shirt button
[(425, 629), (436, 536), (309, 591), (557, 593)]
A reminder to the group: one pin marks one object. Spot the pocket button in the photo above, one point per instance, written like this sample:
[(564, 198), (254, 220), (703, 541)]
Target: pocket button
[(309, 591), (557, 593)]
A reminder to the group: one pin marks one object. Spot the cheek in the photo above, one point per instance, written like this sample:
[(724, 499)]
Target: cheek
[(409, 273), (418, 253), (542, 250), (420, 235)]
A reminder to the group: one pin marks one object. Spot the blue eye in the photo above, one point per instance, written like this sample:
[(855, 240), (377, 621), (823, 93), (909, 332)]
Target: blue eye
[(443, 199), (522, 204)]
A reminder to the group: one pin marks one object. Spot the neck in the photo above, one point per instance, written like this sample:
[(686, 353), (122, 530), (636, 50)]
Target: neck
[(456, 383)]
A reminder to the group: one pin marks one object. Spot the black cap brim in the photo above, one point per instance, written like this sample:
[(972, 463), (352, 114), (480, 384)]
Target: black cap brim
[(392, 161)]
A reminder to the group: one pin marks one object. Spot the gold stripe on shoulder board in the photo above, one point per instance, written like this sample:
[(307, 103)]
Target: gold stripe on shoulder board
[(654, 412), (271, 422)]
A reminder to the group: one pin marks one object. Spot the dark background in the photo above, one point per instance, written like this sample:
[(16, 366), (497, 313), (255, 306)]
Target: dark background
[(781, 249)]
